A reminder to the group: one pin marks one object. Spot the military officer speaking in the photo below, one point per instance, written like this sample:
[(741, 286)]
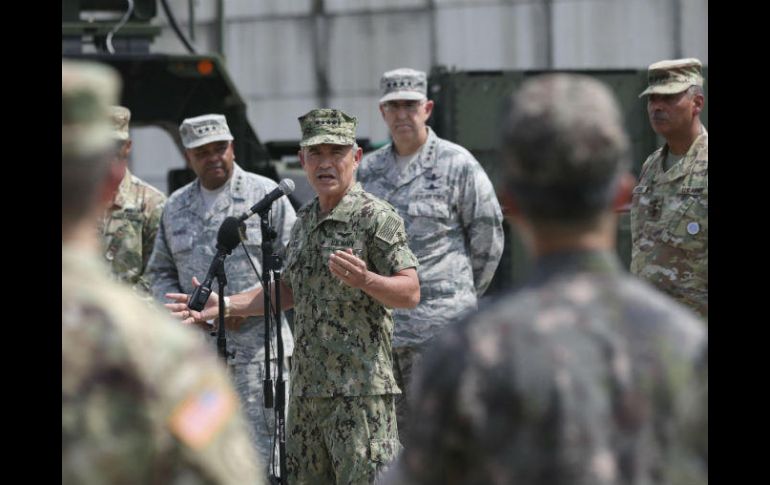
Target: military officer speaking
[(347, 265)]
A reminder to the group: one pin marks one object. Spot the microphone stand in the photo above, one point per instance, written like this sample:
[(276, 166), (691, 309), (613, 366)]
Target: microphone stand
[(200, 295), (221, 338), (271, 264)]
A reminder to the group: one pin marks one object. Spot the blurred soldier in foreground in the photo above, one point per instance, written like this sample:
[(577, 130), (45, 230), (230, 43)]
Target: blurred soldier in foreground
[(450, 212), (669, 210), (580, 376), (131, 223), (347, 265), (142, 400)]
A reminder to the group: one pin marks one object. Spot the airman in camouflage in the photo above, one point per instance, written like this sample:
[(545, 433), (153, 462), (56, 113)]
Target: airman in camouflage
[(450, 210), (669, 210), (185, 247), (142, 400), (347, 265), (583, 375), (129, 226)]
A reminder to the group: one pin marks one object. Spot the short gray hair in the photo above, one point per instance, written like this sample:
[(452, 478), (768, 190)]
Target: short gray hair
[(564, 146), (695, 90)]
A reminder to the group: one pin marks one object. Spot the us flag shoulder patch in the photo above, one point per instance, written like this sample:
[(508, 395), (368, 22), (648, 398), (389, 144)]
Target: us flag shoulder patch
[(200, 417), (388, 229)]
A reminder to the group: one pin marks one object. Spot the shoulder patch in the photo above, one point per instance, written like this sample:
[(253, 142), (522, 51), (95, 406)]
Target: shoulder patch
[(200, 417), (388, 229)]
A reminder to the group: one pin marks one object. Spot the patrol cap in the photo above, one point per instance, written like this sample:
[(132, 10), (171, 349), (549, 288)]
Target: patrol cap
[(87, 91), (120, 117), (674, 76), (327, 125), (204, 129), (403, 83)]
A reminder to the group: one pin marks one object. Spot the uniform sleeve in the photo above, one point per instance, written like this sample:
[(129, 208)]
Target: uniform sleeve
[(437, 447), (153, 211), (196, 403), (482, 222), (291, 255), (161, 272), (389, 251)]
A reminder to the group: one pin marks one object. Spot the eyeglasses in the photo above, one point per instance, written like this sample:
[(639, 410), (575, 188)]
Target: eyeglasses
[(409, 106)]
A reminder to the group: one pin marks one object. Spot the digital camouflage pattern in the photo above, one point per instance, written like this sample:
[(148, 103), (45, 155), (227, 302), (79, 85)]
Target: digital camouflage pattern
[(673, 76), (121, 117), (185, 247), (129, 228), (360, 431), (343, 336), (204, 129), (142, 400), (403, 83), (669, 225), (343, 342), (327, 126), (454, 224), (580, 377)]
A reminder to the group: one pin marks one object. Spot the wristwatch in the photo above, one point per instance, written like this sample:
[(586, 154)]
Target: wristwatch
[(227, 306)]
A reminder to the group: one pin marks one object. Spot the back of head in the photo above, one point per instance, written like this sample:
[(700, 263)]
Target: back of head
[(565, 148), (88, 90)]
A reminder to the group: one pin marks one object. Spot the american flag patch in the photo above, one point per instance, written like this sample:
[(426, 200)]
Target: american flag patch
[(200, 417), (388, 229)]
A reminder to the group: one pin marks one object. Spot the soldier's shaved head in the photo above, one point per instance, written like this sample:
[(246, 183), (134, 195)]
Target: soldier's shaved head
[(565, 147)]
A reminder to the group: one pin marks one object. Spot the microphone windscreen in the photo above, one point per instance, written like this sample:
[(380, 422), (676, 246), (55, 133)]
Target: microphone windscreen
[(287, 186), (229, 236)]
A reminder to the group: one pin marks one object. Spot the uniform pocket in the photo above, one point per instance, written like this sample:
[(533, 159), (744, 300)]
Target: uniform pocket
[(383, 451), (687, 228)]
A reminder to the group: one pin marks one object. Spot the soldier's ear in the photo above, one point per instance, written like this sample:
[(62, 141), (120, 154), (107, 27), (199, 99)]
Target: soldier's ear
[(301, 156), (509, 205), (622, 200), (111, 182)]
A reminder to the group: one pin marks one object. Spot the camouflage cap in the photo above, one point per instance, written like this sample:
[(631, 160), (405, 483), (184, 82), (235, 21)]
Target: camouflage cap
[(327, 126), (87, 91), (403, 83), (120, 117), (672, 77), (204, 129)]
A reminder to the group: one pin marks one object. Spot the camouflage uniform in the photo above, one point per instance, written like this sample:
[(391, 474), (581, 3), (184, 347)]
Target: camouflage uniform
[(185, 247), (669, 210), (341, 420), (669, 225), (577, 379), (454, 224), (142, 401), (128, 230)]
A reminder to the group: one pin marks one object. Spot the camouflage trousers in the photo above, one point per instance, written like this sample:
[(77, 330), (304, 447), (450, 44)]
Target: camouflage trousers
[(404, 360), (343, 440), (247, 379)]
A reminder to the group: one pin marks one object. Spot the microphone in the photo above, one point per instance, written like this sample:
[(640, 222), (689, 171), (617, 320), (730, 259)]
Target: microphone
[(228, 238), (286, 187), (229, 235)]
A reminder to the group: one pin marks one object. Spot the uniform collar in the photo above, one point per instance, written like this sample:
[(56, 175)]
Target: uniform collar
[(125, 185), (571, 262), (684, 165)]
